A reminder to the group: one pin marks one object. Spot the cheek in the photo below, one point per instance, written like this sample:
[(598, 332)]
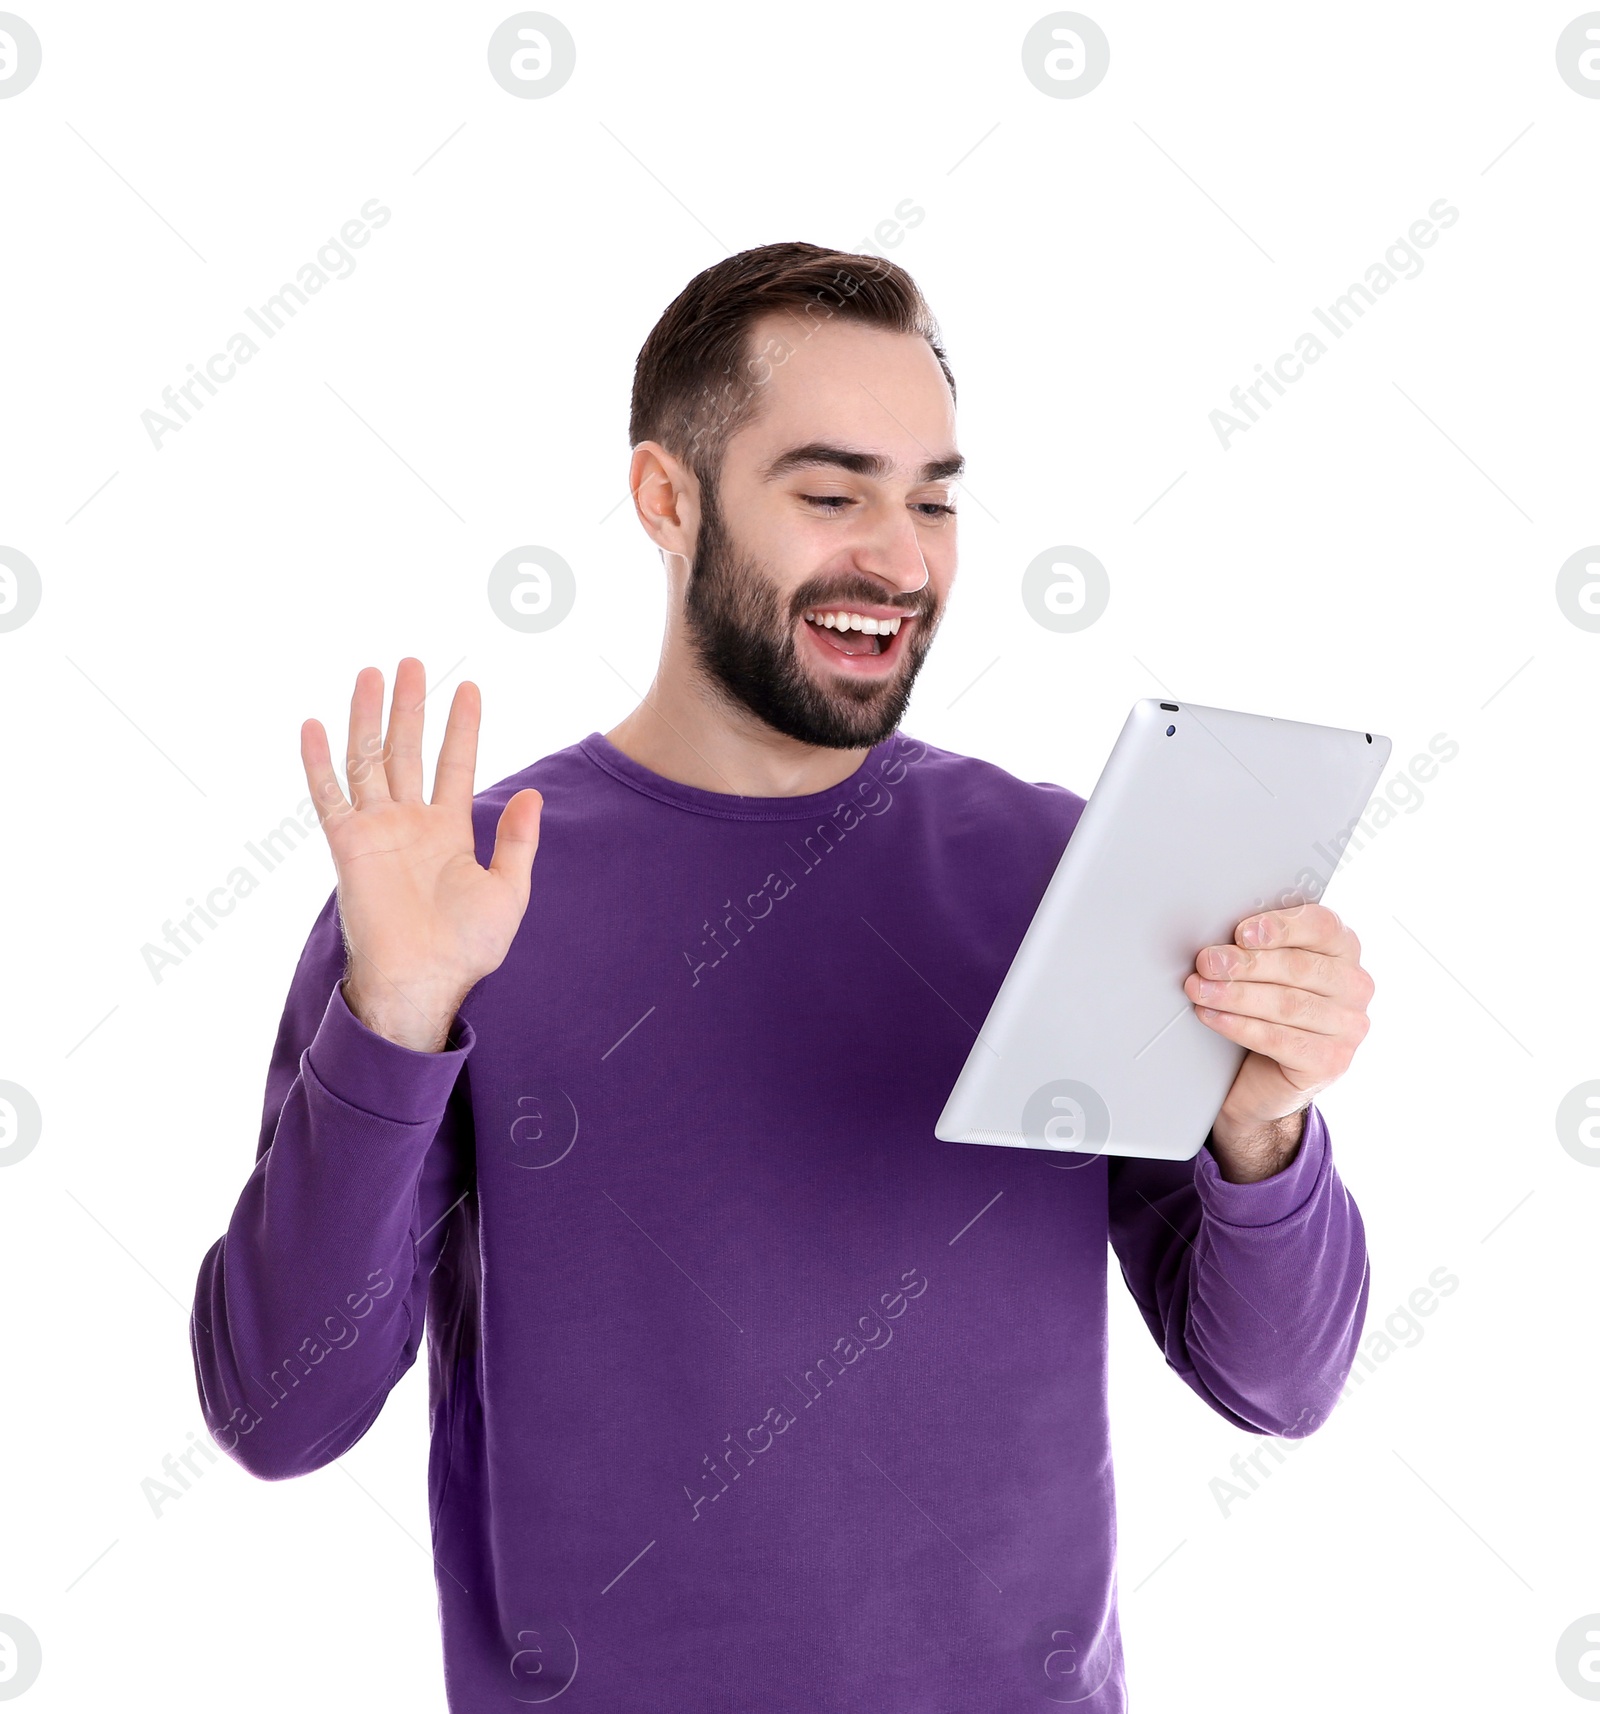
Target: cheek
[(941, 573), (939, 555), (786, 546)]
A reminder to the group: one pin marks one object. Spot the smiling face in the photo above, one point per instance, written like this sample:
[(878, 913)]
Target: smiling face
[(823, 561)]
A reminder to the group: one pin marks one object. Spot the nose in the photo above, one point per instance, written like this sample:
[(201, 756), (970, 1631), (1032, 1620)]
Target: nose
[(889, 550)]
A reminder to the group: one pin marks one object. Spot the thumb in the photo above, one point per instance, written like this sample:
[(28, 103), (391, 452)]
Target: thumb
[(516, 838)]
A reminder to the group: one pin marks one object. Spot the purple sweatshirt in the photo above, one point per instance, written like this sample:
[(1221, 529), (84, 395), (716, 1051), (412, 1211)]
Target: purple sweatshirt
[(747, 1393)]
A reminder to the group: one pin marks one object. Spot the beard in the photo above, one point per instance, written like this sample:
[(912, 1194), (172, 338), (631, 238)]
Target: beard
[(747, 643)]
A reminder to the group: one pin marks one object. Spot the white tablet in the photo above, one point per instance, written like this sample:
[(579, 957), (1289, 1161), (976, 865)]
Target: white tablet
[(1201, 816)]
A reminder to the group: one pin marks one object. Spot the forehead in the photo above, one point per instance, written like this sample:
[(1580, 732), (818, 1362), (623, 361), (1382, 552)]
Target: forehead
[(834, 379)]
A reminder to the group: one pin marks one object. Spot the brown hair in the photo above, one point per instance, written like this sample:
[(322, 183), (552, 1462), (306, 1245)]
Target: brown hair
[(695, 384)]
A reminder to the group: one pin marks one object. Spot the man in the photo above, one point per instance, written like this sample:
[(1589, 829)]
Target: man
[(747, 1393)]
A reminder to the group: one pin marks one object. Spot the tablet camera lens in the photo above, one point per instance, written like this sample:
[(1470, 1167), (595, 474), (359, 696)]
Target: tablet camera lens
[(1171, 730)]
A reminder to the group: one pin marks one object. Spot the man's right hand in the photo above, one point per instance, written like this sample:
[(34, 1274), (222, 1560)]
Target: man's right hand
[(423, 919)]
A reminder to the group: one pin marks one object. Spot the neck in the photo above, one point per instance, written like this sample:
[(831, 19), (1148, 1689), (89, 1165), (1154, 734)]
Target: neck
[(685, 731)]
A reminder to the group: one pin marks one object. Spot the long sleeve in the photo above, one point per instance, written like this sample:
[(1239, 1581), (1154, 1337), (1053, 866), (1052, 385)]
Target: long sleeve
[(310, 1307), (1256, 1293)]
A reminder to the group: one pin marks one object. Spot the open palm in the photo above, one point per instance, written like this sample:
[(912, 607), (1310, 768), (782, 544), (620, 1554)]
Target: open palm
[(423, 919)]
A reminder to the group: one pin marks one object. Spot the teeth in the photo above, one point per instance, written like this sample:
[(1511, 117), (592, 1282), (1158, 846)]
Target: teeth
[(847, 621)]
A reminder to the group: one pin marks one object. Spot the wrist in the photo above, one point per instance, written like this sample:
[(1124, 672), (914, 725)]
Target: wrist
[(413, 1017), (1247, 1153)]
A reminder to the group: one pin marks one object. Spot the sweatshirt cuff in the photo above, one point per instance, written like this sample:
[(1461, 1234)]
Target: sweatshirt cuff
[(1267, 1200), (368, 1071)]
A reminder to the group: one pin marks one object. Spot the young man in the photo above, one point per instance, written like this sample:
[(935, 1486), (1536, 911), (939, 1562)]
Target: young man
[(747, 1393)]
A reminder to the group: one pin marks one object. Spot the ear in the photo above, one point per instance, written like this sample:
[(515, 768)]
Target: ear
[(666, 498)]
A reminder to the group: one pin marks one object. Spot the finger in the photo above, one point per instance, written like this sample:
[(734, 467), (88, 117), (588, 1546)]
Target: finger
[(516, 839), (458, 752), (363, 757), (402, 750), (1279, 1004), (321, 780), (1295, 967), (1309, 925), (1311, 1057)]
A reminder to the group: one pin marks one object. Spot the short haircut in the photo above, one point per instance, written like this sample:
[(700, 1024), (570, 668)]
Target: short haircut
[(696, 383)]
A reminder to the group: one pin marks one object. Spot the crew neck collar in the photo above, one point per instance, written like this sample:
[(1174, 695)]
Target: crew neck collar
[(730, 806)]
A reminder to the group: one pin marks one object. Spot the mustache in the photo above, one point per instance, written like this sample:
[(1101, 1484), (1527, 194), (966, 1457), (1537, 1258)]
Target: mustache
[(920, 603)]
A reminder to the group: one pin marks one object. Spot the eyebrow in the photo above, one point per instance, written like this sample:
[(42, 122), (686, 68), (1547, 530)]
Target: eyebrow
[(871, 464)]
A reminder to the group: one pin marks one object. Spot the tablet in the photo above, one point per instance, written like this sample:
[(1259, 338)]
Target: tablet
[(1200, 817)]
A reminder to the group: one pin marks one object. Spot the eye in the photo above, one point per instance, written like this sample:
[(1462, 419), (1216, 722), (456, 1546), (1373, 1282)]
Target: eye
[(829, 502), (935, 509)]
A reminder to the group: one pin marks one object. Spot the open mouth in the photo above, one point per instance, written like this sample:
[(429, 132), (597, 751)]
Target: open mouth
[(847, 632)]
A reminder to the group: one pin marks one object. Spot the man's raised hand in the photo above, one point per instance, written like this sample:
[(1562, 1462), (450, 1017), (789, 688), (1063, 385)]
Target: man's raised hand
[(423, 919)]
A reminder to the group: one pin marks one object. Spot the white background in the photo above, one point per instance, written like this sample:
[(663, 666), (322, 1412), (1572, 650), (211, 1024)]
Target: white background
[(1380, 551)]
